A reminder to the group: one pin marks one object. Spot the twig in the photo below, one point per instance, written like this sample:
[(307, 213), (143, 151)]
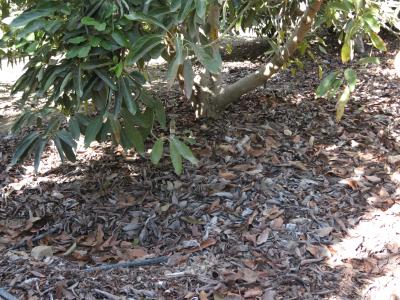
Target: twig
[(6, 295), (38, 237), (107, 295), (130, 264)]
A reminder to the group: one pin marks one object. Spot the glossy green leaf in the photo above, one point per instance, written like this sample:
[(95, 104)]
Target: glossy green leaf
[(31, 15), (377, 41), (156, 152), (41, 145), (188, 76), (351, 78), (184, 150), (176, 158), (326, 84), (342, 102), (93, 129), (24, 146)]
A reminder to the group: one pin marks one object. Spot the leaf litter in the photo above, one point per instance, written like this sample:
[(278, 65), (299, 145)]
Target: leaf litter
[(284, 204)]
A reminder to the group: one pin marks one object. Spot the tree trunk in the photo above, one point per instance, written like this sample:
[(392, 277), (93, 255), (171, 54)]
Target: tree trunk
[(214, 103)]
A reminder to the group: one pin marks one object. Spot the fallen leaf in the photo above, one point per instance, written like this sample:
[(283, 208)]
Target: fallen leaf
[(273, 212), (298, 164), (277, 223), (250, 238), (269, 295), (350, 182), (227, 175), (249, 276), (135, 253), (203, 245), (40, 252), (263, 236), (373, 179), (203, 295), (323, 232), (252, 293)]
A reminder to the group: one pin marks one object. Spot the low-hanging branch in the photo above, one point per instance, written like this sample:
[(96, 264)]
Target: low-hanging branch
[(232, 93)]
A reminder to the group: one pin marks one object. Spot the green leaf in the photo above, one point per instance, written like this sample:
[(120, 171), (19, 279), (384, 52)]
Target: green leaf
[(77, 40), (84, 51), (157, 151), (120, 38), (186, 10), (369, 60), (372, 22), (188, 76), (104, 76), (68, 151), (175, 63), (184, 150), (175, 5), (127, 95), (377, 41), (93, 129), (137, 16), (100, 26), (41, 144), (143, 46), (74, 128), (211, 63), (24, 146), (326, 84), (346, 52), (31, 15), (342, 102), (351, 78), (201, 8), (176, 158), (115, 128), (134, 136)]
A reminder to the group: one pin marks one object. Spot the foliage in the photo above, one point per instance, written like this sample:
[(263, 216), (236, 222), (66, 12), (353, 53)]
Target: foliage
[(87, 62)]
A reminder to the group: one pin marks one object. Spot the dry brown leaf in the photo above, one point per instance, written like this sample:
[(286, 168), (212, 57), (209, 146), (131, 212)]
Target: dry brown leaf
[(227, 175), (272, 213), (269, 295), (323, 232), (249, 276), (277, 223), (135, 253), (203, 295), (231, 296), (351, 183), (256, 152), (230, 276), (373, 179), (252, 293), (177, 259), (243, 168), (99, 237), (250, 238), (250, 263), (298, 164), (263, 236), (203, 245)]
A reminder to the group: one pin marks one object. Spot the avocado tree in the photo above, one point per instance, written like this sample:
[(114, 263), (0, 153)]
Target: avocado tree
[(87, 62)]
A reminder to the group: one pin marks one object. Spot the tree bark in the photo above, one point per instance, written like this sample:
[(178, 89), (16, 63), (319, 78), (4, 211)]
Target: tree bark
[(232, 93)]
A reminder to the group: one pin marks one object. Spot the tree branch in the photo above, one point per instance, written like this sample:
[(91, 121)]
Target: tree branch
[(233, 92)]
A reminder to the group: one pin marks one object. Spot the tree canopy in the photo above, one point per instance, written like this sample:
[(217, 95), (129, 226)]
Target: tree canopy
[(87, 62)]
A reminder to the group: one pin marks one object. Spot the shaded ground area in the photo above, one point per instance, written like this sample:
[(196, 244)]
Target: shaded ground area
[(285, 203)]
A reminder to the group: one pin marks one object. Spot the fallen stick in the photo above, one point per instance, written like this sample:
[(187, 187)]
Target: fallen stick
[(37, 238), (130, 264), (6, 295)]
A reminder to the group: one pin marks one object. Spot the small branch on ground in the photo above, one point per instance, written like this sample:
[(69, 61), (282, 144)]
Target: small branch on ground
[(52, 230), (130, 264), (6, 295)]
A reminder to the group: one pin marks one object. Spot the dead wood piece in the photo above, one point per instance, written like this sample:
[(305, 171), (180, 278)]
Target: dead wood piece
[(37, 238), (6, 295), (130, 264)]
